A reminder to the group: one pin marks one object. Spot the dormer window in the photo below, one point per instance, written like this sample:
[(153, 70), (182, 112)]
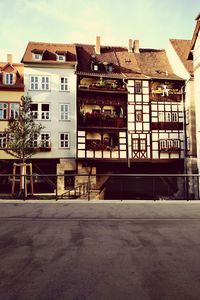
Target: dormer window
[(37, 56), (61, 57), (8, 78), (110, 68), (95, 67)]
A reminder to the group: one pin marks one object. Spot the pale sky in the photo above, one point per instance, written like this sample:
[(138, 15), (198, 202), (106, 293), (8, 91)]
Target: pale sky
[(153, 22)]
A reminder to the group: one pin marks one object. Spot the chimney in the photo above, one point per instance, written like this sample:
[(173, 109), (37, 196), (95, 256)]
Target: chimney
[(9, 58), (136, 46), (130, 45), (98, 45)]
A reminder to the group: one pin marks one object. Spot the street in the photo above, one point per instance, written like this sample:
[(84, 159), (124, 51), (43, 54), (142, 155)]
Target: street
[(97, 251)]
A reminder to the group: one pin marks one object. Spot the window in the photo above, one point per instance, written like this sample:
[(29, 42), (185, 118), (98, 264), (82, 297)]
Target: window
[(45, 140), (3, 140), (138, 115), (40, 111), (174, 117), (64, 111), (61, 57), (9, 110), (3, 111), (64, 84), (139, 144), (45, 83), (138, 87), (34, 83), (45, 114), (9, 78), (14, 110), (169, 145), (37, 56), (64, 140), (34, 110), (34, 141), (167, 116), (95, 67), (40, 83), (161, 116)]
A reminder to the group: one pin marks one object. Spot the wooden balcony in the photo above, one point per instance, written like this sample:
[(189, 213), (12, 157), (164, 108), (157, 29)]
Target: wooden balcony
[(100, 120), (159, 97)]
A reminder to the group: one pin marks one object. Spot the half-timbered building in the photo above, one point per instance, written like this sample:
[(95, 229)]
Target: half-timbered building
[(130, 111)]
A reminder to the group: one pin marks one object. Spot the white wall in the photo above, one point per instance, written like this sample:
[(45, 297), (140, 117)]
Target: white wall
[(53, 97)]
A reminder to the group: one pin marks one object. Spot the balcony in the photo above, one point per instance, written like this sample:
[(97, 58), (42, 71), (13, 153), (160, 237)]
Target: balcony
[(169, 96), (103, 85), (95, 119)]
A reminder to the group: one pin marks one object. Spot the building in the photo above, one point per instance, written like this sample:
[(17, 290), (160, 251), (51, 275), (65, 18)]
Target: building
[(50, 80), (178, 56), (130, 117), (11, 91), (194, 56)]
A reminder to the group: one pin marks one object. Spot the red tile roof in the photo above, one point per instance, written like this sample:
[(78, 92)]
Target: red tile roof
[(182, 48), (149, 63), (49, 51)]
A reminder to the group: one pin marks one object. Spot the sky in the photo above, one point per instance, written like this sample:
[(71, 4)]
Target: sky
[(153, 22)]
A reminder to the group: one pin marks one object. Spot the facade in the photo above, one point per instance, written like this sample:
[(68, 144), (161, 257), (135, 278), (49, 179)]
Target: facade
[(194, 56), (178, 56), (11, 91), (130, 112), (49, 77)]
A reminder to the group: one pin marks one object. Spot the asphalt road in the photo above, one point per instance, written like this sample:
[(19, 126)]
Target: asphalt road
[(100, 251)]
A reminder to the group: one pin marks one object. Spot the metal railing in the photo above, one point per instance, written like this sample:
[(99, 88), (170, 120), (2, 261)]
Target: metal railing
[(104, 186)]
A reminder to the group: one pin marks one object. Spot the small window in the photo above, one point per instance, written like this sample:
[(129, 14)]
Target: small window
[(138, 87), (45, 114), (61, 57), (37, 56), (135, 144), (138, 115), (95, 67), (3, 111), (174, 117), (45, 140), (45, 83), (14, 110), (64, 140), (64, 84), (3, 140), (9, 78), (64, 112)]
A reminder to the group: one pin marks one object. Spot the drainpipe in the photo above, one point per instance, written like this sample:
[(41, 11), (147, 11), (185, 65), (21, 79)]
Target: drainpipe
[(185, 135), (128, 158)]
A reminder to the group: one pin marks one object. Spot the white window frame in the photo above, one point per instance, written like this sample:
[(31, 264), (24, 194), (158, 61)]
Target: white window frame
[(64, 86), (4, 114), (65, 142), (9, 78), (39, 83), (64, 111), (3, 140), (14, 110), (37, 56), (40, 114), (45, 140), (60, 57)]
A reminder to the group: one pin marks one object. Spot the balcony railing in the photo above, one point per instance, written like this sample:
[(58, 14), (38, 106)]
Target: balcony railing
[(168, 98), (100, 120)]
